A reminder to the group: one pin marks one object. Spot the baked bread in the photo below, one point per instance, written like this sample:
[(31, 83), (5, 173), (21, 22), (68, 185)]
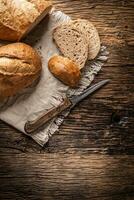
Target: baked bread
[(65, 70), (91, 35), (78, 40), (20, 66), (19, 17), (71, 43)]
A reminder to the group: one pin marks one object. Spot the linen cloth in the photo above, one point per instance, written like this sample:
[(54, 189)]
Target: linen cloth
[(49, 92)]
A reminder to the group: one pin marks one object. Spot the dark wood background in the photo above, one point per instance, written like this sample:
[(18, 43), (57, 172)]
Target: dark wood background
[(92, 155)]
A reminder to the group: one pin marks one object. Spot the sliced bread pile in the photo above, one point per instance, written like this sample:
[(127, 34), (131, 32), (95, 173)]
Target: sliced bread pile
[(78, 40)]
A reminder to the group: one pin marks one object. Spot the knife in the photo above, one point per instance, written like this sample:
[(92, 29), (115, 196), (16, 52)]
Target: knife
[(71, 102)]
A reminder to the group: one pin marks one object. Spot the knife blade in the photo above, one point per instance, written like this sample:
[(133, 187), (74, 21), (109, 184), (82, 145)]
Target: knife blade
[(32, 126)]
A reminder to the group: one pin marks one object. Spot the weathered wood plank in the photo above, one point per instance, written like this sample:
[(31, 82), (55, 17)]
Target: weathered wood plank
[(66, 177)]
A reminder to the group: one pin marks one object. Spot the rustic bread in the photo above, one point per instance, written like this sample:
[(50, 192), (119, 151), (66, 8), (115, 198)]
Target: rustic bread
[(91, 35), (20, 66), (71, 43), (65, 70), (76, 39), (7, 34), (19, 17)]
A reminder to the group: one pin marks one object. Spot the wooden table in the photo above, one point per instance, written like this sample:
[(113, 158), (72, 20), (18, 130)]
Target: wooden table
[(92, 155)]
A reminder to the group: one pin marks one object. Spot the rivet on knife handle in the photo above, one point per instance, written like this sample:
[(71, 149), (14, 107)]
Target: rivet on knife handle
[(32, 126)]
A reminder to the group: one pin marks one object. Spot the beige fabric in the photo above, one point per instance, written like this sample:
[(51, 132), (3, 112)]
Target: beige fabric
[(30, 105)]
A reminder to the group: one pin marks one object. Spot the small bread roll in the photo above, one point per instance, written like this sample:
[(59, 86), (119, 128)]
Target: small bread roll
[(65, 70)]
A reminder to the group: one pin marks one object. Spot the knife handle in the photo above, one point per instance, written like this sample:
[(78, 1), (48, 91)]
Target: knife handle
[(32, 126)]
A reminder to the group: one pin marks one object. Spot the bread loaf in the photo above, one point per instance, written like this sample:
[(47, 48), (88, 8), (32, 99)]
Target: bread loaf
[(19, 17), (65, 70), (20, 66)]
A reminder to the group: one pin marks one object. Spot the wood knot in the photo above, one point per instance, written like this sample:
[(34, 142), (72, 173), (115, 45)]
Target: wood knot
[(119, 118), (116, 117)]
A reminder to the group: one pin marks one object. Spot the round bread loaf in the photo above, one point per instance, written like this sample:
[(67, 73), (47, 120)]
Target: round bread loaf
[(65, 70), (20, 66)]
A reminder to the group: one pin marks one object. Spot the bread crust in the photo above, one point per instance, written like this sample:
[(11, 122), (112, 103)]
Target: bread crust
[(41, 5), (17, 17), (8, 34), (65, 70), (20, 66)]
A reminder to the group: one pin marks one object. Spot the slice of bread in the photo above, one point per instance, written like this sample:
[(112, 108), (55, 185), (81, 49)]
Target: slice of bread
[(71, 43), (91, 34)]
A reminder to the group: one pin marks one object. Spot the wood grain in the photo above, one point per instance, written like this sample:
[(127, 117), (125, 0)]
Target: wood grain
[(92, 155), (66, 177)]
